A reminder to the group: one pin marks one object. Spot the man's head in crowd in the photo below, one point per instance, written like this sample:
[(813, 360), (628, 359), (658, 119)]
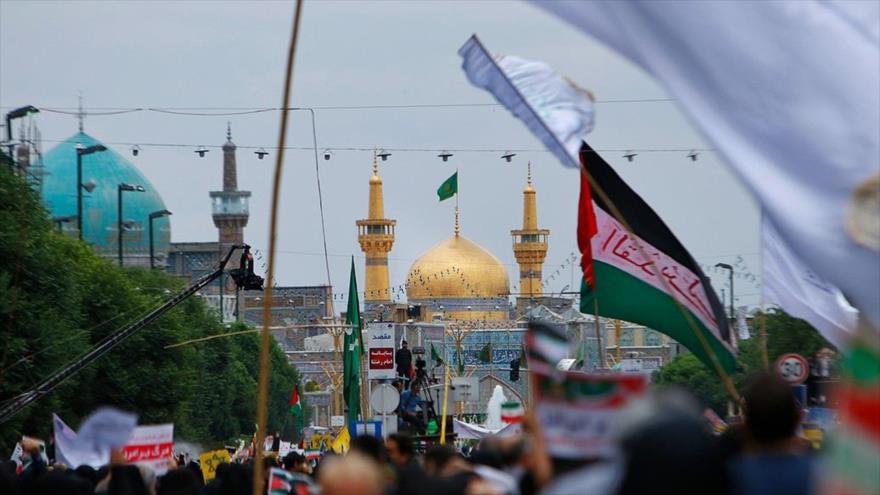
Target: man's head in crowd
[(772, 414), (437, 457), (352, 474), (368, 446), (399, 448), (296, 463)]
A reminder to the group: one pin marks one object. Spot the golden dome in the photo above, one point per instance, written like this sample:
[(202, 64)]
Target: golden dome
[(456, 269)]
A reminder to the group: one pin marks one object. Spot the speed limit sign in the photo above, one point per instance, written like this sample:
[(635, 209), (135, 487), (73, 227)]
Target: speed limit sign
[(792, 368)]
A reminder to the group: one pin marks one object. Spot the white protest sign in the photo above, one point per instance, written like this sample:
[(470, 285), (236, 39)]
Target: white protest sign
[(17, 453), (283, 449), (576, 414), (151, 445), (380, 342)]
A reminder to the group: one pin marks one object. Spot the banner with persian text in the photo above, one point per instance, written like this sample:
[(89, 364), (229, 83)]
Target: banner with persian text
[(576, 414), (151, 445), (380, 345)]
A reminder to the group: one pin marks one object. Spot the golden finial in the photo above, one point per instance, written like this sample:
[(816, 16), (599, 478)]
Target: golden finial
[(529, 176), (457, 223), (375, 161)]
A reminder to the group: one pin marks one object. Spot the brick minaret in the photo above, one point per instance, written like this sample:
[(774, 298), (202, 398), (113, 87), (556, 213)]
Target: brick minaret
[(230, 206)]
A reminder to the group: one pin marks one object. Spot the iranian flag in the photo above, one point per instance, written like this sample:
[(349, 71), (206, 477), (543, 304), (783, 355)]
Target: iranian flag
[(294, 403), (639, 272), (512, 412)]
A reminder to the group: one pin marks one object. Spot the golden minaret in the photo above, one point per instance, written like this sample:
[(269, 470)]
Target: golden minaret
[(530, 244), (376, 236)]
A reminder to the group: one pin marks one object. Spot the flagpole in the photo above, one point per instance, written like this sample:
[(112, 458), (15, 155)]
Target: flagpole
[(457, 221), (445, 408), (713, 357), (764, 356), (600, 349)]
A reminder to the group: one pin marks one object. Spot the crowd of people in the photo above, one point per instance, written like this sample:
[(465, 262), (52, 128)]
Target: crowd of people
[(664, 446)]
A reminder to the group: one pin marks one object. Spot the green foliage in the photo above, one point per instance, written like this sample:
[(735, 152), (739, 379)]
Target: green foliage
[(58, 299), (784, 334)]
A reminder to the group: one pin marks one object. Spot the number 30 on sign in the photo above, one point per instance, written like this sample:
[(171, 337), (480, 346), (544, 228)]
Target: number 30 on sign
[(792, 368)]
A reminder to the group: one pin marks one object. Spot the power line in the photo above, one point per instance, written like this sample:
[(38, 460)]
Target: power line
[(394, 149), (242, 110)]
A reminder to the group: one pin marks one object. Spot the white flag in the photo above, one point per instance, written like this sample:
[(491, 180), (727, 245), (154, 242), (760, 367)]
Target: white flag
[(788, 94), (67, 450), (788, 283), (104, 429), (556, 111), (742, 325)]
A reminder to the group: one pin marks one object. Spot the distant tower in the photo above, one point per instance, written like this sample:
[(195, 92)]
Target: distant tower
[(230, 206), (530, 245), (376, 236)]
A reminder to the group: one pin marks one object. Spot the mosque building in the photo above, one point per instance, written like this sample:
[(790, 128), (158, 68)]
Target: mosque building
[(114, 194), (458, 294)]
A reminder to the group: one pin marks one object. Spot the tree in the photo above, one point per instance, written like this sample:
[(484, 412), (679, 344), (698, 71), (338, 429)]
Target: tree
[(58, 299), (784, 334)]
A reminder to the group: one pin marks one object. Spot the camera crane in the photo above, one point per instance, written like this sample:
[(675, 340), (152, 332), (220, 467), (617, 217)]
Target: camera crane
[(243, 276)]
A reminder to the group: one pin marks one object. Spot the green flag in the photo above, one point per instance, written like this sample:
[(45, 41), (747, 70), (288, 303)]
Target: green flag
[(351, 351), (579, 356), (449, 187), (486, 353), (460, 362), (436, 355)]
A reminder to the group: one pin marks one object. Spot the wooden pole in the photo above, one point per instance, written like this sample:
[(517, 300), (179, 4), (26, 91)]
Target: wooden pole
[(263, 382), (600, 348), (445, 408)]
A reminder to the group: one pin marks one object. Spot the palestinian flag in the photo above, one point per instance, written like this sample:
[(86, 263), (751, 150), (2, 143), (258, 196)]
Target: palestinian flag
[(546, 345), (638, 276), (280, 482), (294, 403)]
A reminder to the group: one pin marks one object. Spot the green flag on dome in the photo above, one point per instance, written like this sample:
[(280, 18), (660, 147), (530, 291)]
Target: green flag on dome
[(449, 187)]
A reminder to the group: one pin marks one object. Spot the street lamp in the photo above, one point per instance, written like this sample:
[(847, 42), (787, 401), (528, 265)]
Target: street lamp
[(81, 151), (17, 114), (123, 187), (60, 221), (729, 268), (154, 215)]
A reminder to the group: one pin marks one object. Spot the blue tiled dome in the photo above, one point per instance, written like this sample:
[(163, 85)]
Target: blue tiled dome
[(107, 169)]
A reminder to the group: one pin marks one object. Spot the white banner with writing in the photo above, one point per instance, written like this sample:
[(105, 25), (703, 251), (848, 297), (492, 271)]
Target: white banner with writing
[(380, 351)]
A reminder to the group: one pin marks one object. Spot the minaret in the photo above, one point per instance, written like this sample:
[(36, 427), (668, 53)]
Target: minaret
[(230, 206), (530, 245), (376, 236)]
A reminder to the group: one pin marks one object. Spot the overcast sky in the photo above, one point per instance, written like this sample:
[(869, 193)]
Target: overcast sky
[(231, 54)]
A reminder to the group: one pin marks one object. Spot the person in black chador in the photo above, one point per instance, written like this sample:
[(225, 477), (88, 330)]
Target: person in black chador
[(403, 356)]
